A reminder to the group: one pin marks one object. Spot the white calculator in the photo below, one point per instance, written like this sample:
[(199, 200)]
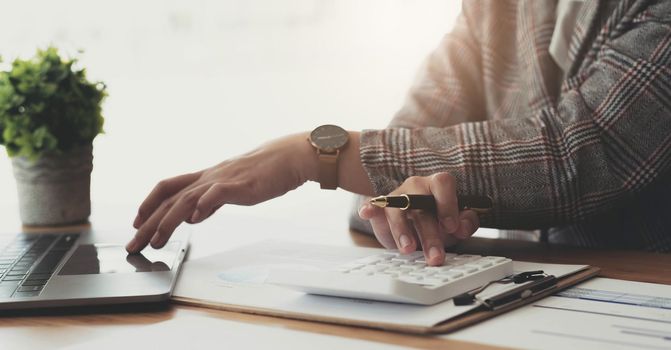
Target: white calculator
[(391, 276)]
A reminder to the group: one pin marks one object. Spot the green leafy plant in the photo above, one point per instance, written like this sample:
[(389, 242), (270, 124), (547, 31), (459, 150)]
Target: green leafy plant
[(46, 105)]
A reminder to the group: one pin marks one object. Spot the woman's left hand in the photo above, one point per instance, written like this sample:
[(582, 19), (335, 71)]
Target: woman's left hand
[(407, 230)]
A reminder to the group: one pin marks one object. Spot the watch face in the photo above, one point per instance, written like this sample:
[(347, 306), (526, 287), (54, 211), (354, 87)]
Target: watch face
[(329, 137)]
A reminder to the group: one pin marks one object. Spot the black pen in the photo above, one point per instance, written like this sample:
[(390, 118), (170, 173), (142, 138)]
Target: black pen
[(479, 204)]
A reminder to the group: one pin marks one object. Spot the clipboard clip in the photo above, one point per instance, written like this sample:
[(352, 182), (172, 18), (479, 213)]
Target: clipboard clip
[(520, 293), (540, 282)]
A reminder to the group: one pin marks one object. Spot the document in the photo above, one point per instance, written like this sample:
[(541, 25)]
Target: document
[(237, 278), (600, 313)]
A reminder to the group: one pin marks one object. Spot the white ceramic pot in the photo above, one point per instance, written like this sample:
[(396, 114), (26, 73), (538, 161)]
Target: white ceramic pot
[(55, 189)]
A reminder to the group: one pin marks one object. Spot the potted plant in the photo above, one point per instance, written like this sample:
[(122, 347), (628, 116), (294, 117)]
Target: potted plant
[(49, 115)]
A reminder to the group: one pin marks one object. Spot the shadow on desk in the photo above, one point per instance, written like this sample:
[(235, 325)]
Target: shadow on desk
[(100, 311)]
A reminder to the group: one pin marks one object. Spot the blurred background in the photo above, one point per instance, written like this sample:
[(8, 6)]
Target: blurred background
[(194, 82)]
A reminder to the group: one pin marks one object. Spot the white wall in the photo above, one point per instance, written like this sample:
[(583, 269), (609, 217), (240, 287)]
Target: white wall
[(194, 82)]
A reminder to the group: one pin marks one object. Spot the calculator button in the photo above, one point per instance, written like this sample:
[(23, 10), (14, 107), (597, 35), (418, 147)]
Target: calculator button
[(413, 266), (388, 256), (466, 268), (482, 263), (466, 257), (451, 274), (434, 281), (412, 279), (375, 268), (409, 257), (389, 263), (495, 259)]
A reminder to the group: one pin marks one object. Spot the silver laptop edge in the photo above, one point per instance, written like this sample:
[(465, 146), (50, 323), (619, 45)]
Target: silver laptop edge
[(96, 273)]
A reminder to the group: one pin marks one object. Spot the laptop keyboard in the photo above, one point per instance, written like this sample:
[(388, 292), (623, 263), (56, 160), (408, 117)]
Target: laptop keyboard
[(27, 264)]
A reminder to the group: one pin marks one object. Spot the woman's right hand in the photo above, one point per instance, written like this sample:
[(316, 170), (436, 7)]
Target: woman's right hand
[(412, 229), (267, 172)]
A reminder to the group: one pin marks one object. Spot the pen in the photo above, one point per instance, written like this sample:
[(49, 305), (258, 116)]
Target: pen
[(479, 204)]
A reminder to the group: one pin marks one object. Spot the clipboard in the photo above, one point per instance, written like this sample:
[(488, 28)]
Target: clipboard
[(481, 314), (469, 318)]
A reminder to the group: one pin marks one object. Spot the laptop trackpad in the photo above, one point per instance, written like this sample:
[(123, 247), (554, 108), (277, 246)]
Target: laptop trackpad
[(109, 258)]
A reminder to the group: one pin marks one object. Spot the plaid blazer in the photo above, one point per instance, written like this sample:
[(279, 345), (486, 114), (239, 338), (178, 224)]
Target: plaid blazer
[(585, 153)]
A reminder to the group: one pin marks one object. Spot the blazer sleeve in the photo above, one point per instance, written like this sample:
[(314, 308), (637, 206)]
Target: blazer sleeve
[(448, 87), (607, 139), (447, 91)]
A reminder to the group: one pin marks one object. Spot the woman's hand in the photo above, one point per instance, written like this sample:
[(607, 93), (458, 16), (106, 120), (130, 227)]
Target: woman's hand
[(407, 230), (265, 173)]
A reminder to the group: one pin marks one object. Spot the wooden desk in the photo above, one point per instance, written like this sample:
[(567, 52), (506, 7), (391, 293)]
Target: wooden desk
[(62, 327)]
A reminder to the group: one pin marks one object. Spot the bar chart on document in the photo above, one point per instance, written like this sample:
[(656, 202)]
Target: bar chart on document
[(598, 314), (617, 298)]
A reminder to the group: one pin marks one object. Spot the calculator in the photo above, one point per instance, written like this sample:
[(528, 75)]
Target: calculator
[(394, 277)]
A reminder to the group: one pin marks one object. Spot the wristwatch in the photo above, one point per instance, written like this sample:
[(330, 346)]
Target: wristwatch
[(328, 140)]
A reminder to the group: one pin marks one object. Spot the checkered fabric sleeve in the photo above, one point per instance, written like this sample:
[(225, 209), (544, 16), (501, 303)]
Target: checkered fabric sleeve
[(553, 158)]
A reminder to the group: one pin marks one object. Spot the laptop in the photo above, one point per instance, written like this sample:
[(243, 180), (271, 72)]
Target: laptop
[(39, 270)]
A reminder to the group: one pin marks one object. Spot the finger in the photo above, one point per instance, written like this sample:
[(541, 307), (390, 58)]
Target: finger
[(444, 189), (162, 191), (401, 230), (367, 211), (378, 222), (428, 231), (180, 211), (214, 198), (147, 230), (200, 219), (469, 223), (449, 240)]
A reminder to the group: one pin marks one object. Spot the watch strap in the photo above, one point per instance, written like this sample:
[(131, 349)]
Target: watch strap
[(328, 170)]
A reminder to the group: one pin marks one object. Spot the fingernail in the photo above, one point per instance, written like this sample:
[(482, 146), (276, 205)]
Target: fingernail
[(450, 224), (434, 253), (405, 241), (138, 221), (154, 241), (131, 245), (195, 217), (361, 211)]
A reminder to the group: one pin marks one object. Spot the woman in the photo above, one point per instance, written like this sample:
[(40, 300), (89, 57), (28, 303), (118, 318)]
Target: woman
[(560, 111)]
